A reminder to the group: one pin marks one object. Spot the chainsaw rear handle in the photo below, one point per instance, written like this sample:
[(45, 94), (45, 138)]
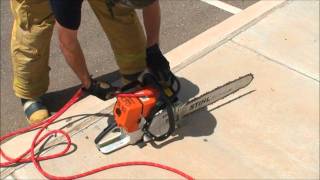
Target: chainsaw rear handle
[(105, 131)]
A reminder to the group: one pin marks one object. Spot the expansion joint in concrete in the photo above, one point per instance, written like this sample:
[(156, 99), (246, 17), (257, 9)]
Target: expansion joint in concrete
[(275, 61)]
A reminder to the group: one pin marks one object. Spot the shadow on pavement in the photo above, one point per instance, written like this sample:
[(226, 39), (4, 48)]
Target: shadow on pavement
[(56, 100), (198, 124)]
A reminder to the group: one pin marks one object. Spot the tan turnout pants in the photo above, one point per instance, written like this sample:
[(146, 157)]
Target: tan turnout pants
[(31, 36)]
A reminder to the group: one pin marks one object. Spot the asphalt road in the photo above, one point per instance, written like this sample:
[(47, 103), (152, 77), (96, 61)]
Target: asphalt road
[(181, 20)]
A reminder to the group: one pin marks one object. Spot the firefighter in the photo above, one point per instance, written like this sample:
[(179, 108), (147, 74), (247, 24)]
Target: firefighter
[(31, 35)]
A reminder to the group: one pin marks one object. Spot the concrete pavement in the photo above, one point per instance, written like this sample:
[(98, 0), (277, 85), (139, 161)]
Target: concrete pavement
[(271, 133)]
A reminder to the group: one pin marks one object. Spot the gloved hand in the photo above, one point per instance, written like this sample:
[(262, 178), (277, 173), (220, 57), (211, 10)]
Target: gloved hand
[(100, 89), (158, 64)]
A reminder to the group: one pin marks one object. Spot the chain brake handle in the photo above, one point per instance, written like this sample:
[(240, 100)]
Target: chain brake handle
[(165, 102)]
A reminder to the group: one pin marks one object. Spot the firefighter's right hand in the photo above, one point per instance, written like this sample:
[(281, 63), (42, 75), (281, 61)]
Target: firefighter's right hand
[(100, 89)]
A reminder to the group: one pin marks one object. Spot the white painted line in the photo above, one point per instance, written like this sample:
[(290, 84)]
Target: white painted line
[(224, 6)]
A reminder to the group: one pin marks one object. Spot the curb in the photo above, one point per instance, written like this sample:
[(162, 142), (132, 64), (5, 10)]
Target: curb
[(216, 36)]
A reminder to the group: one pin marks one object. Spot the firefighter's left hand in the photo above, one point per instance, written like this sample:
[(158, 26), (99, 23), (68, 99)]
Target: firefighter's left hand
[(158, 64)]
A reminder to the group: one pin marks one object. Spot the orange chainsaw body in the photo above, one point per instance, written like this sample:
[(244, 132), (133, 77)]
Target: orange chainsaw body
[(128, 110)]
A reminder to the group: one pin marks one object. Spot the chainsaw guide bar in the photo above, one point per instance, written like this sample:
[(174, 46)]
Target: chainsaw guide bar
[(214, 95)]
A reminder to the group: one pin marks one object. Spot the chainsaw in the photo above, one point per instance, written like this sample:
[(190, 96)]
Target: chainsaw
[(147, 111)]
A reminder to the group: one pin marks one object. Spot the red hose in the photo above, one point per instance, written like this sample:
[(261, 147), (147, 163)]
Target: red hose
[(37, 140)]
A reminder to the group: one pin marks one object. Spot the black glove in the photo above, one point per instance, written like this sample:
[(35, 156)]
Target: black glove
[(158, 64), (100, 89)]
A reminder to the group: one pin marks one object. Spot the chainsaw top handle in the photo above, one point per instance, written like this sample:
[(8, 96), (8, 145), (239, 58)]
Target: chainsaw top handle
[(164, 102)]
